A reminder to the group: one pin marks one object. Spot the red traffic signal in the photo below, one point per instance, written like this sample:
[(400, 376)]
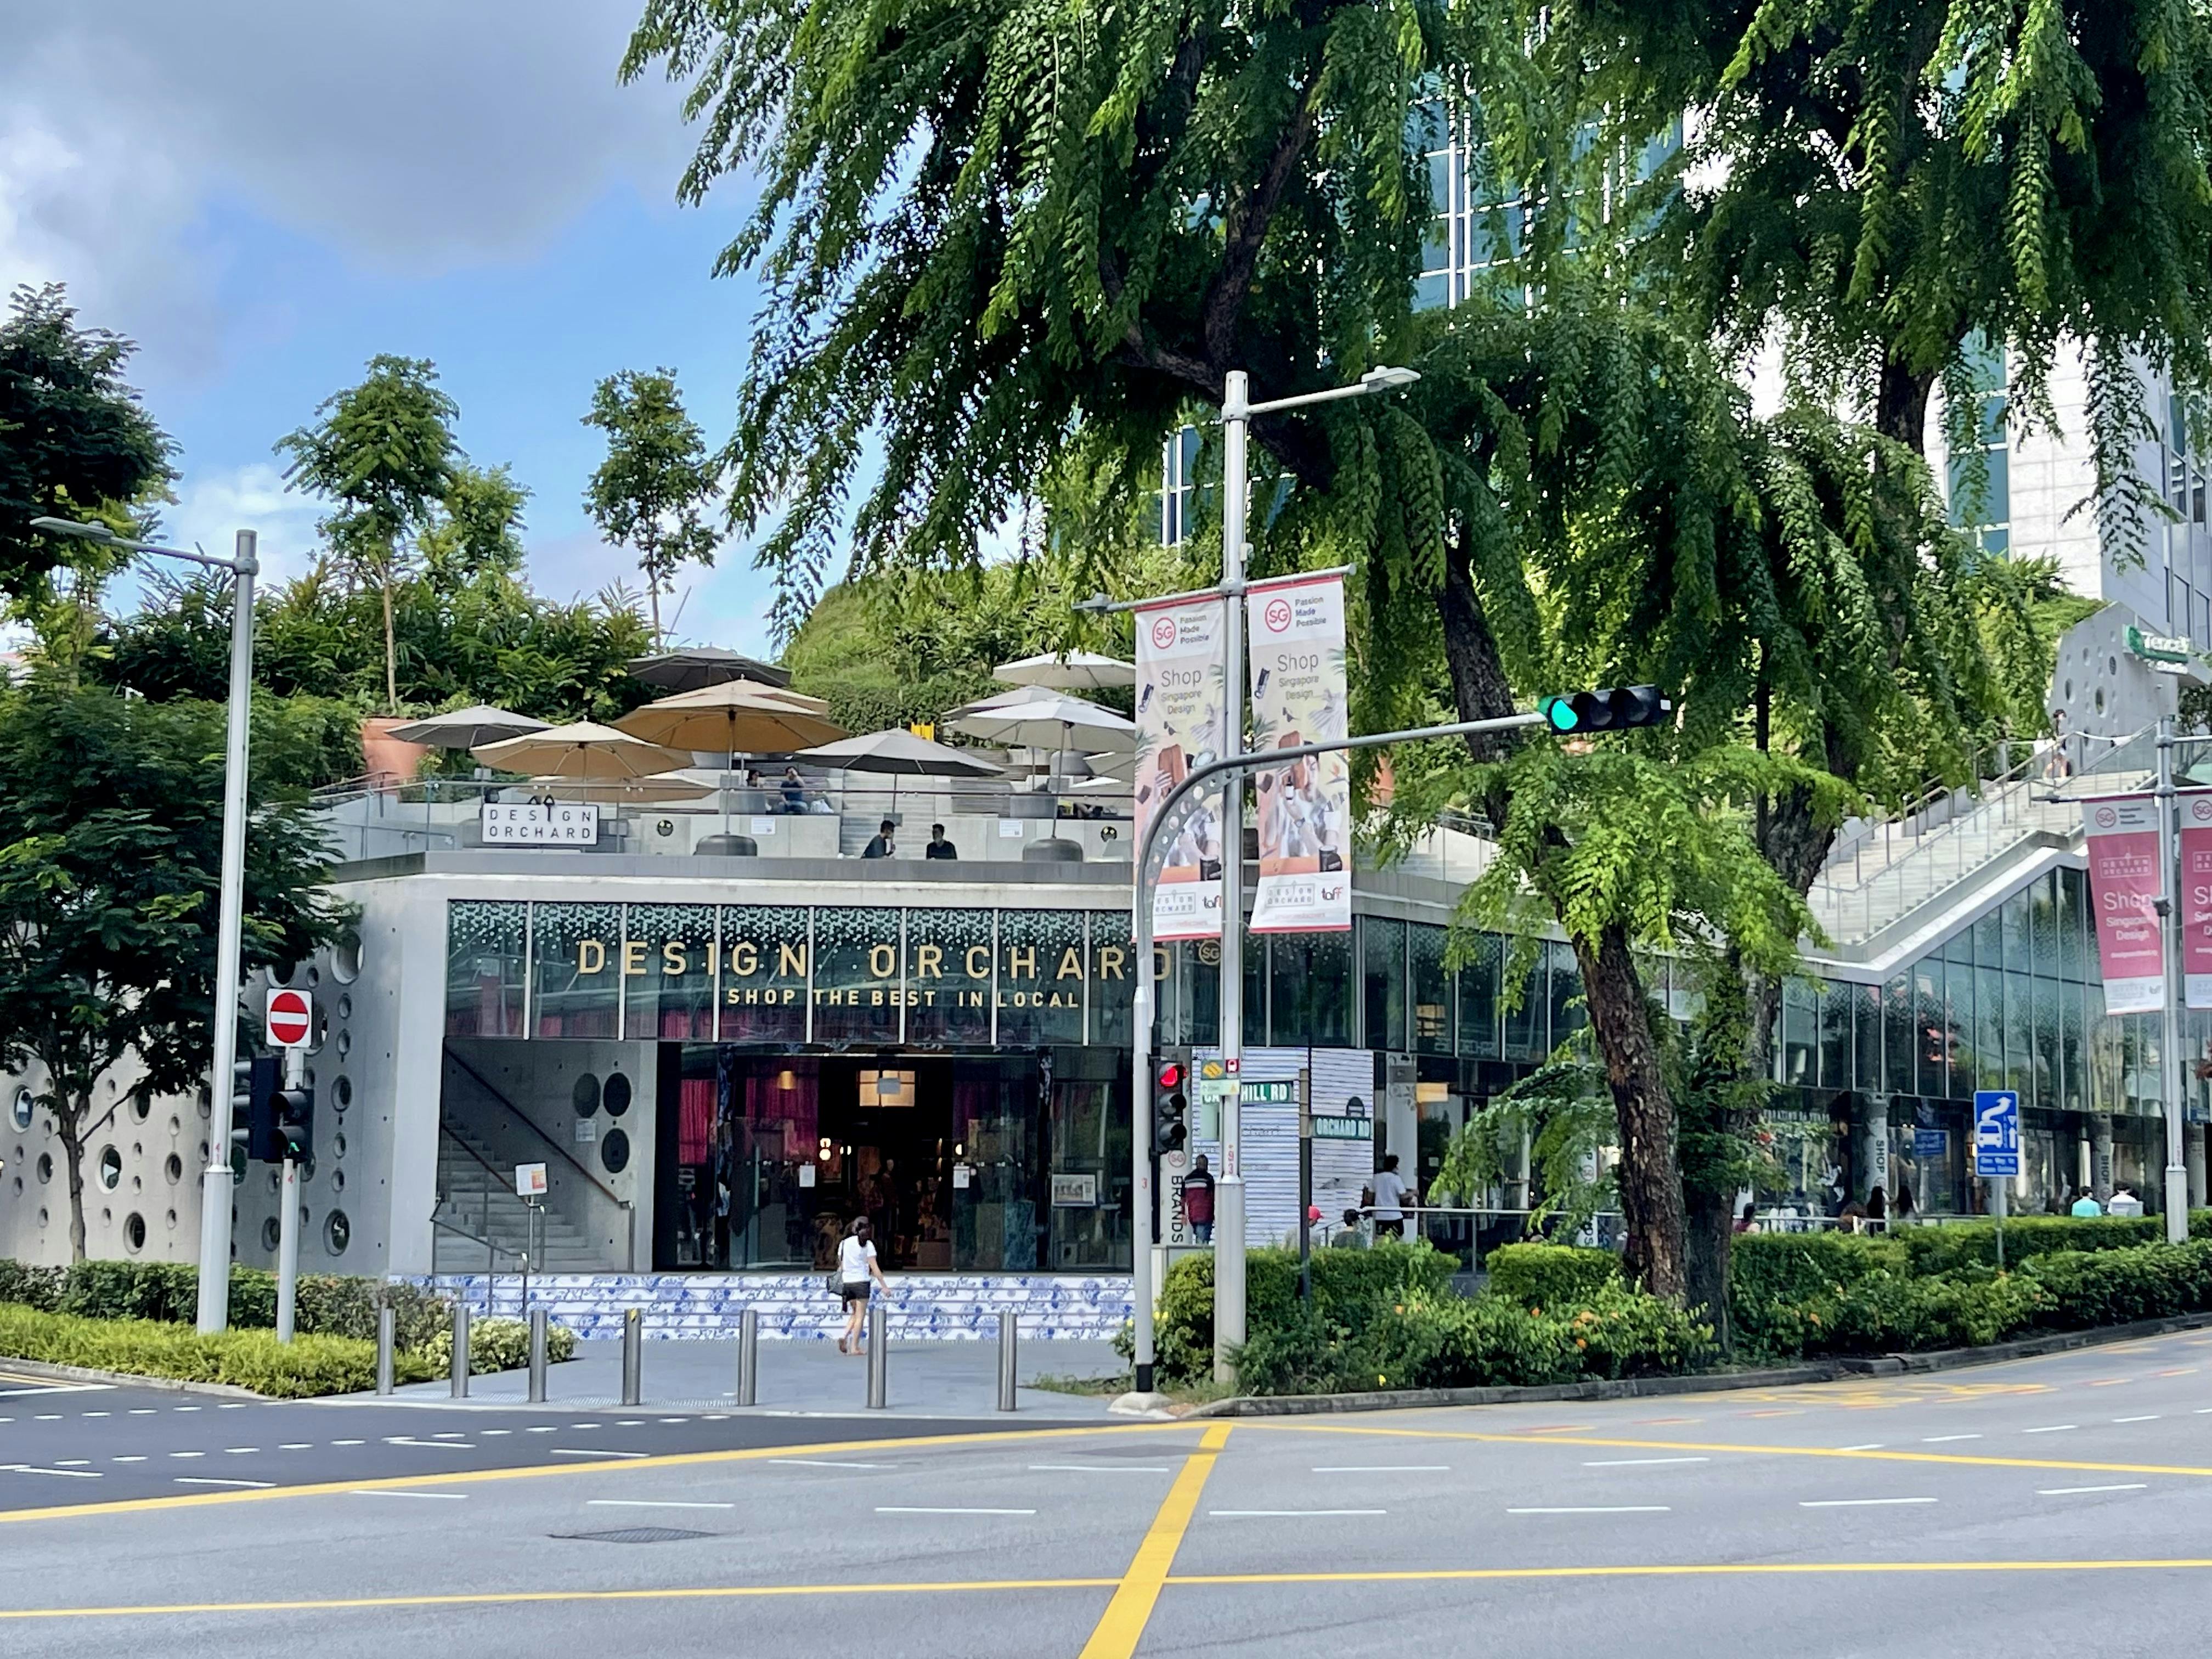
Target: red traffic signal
[(1170, 1074)]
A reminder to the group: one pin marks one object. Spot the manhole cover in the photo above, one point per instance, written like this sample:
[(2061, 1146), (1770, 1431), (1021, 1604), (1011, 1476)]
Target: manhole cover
[(636, 1535)]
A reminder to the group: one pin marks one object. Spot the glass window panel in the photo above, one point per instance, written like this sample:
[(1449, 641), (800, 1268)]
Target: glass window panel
[(2049, 1070), (1959, 1029), (1988, 1028), (1113, 977), (486, 960), (1088, 1138), (575, 969), (2020, 1033), (2043, 923), (1478, 997), (1189, 992), (1989, 941), (670, 955), (856, 974), (1833, 1011), (1311, 974), (1041, 977), (1568, 1014), (2073, 1046), (1899, 1042), (1525, 1034), (1866, 1001), (764, 979), (1432, 1011), (1382, 944), (948, 977), (1797, 1035), (1255, 989), (2013, 917)]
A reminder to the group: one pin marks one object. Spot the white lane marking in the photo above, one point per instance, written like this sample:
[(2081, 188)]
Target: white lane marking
[(821, 1463), (1858, 1503), (1871, 1445), (650, 1503), (47, 1417), (237, 1405), (916, 1509), (1596, 1509), (212, 1481), (451, 1434), (571, 1451), (188, 1454), (427, 1445), (717, 1417), (72, 1463), (297, 1445), (1635, 1462), (1940, 1439), (2053, 1428), (489, 1433), (141, 1410), (100, 1413), (33, 1468), (629, 1422), (587, 1427), (138, 1458), (348, 1443), (239, 1451), (1100, 1468), (2068, 1491), (543, 1428), (387, 1491), (1383, 1468), (2151, 1417), (1249, 1514), (184, 1408), (670, 1419)]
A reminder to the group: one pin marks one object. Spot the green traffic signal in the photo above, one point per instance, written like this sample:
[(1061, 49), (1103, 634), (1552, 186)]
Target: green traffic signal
[(1613, 710)]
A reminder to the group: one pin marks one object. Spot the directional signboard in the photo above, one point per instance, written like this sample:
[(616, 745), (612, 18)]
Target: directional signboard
[(291, 1018), (1996, 1133)]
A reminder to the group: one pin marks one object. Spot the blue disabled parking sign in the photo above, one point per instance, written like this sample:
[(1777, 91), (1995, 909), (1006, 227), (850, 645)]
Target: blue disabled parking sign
[(1996, 1132)]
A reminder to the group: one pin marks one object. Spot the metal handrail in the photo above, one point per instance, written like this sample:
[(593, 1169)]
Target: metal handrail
[(516, 1112)]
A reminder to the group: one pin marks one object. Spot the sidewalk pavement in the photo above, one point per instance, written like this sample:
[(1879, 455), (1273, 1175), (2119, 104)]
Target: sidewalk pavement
[(926, 1380)]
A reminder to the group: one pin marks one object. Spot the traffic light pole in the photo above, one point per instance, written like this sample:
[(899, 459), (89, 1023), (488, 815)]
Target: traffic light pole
[(1146, 870), (288, 1216)]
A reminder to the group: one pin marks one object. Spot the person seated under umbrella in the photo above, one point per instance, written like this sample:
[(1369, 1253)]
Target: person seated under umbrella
[(881, 845)]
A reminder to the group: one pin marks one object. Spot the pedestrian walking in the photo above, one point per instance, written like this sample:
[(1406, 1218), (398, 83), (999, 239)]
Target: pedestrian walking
[(1348, 1236), (856, 1266), (1198, 1199), (1391, 1193)]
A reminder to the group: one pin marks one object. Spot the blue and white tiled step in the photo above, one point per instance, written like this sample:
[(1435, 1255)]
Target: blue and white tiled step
[(795, 1306)]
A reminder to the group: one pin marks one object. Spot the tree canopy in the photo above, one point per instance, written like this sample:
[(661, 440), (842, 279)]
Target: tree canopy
[(650, 491)]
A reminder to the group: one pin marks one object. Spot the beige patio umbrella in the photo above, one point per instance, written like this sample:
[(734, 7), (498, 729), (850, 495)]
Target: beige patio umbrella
[(1067, 671), (467, 728), (736, 717), (583, 752)]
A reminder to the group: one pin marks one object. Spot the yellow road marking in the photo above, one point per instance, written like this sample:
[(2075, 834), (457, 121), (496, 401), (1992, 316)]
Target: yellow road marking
[(505, 1598), (537, 1471), (1228, 1580), (1870, 1455), (1122, 1625)]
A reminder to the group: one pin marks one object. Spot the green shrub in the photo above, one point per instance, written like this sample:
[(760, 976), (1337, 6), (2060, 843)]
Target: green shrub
[(246, 1360), (31, 1287), (2114, 1287), (1549, 1276), (494, 1345), (1974, 1244), (1350, 1288), (1778, 1282), (327, 1304), (1487, 1340)]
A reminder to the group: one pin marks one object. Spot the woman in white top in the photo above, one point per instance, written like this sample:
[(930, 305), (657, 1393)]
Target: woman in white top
[(856, 1265)]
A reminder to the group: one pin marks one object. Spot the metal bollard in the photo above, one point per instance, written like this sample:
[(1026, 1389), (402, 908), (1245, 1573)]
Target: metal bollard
[(537, 1356), (460, 1349), (748, 1357), (385, 1328), (1008, 1336), (633, 1357), (880, 1344)]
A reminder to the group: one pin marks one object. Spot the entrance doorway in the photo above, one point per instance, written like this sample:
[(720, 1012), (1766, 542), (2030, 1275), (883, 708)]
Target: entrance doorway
[(771, 1156)]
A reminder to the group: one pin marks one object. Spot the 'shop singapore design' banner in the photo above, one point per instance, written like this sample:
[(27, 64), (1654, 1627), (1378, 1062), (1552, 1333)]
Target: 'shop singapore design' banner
[(1296, 632), (2124, 880), (1183, 708), (2197, 900)]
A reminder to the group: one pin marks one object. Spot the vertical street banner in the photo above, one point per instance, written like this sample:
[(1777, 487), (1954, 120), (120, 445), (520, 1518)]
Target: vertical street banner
[(2124, 881), (2197, 900), (1295, 630), (1182, 722)]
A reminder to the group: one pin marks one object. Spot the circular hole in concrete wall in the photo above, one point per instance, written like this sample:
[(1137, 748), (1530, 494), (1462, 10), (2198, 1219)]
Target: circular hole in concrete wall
[(585, 1095), (134, 1232), (174, 1168), (614, 1151), (271, 1234), (615, 1096), (45, 1166), (111, 1168), (338, 1232)]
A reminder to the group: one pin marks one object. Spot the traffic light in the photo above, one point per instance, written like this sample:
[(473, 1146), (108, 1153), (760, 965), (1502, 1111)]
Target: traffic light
[(254, 1092), (1170, 1109), (1615, 709), (295, 1125)]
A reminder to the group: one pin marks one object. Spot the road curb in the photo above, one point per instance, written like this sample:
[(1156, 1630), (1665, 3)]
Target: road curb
[(1646, 1388), (40, 1368)]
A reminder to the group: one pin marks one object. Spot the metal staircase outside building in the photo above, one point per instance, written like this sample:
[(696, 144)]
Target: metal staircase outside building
[(481, 1222), (1892, 880)]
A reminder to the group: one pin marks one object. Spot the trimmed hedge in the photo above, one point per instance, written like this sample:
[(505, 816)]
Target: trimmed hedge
[(496, 1345), (168, 1293), (1351, 1289), (246, 1359), (1550, 1275)]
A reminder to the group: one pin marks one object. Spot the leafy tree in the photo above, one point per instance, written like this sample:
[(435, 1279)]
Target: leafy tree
[(74, 441), (111, 825), (649, 491), (479, 533), (383, 451)]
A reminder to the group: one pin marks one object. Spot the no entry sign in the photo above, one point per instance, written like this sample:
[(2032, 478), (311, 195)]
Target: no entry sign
[(291, 1017)]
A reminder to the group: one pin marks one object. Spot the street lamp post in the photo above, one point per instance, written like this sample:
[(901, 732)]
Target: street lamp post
[(1236, 414), (215, 1179)]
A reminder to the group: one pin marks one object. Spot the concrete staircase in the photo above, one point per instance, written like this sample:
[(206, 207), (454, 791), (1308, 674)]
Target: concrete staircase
[(473, 1198), (796, 1307)]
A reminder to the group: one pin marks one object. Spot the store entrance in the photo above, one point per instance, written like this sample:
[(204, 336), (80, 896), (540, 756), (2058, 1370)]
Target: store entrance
[(771, 1156)]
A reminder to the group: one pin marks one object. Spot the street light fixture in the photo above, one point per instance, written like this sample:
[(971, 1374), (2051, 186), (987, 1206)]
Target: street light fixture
[(215, 1179)]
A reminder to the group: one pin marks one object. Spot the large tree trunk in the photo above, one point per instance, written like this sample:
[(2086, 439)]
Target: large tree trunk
[(1650, 1173), (391, 651), (1901, 406)]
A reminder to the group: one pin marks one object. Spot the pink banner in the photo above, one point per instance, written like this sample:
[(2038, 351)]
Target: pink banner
[(2197, 900), (2124, 880)]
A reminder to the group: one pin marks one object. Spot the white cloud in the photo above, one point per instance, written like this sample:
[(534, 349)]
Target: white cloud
[(212, 507), (414, 135)]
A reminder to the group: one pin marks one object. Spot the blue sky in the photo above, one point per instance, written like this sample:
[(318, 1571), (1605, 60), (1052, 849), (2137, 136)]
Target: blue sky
[(263, 195)]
